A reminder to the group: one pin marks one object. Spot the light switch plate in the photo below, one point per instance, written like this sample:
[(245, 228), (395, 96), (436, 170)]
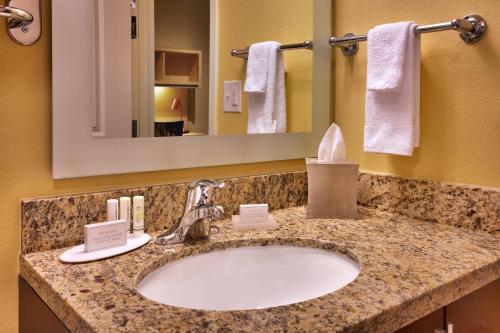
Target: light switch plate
[(232, 96)]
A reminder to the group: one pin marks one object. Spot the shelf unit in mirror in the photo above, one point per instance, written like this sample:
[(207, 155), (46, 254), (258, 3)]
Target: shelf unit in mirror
[(177, 67)]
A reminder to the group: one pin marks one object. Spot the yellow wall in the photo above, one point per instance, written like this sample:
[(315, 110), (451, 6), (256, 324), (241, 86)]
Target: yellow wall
[(243, 22), (460, 91), (25, 155), (164, 97), (460, 116)]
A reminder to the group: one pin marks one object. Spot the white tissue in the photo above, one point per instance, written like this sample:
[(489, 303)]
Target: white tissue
[(332, 146)]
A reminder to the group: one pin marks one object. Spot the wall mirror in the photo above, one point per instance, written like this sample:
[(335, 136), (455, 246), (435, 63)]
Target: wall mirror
[(143, 85)]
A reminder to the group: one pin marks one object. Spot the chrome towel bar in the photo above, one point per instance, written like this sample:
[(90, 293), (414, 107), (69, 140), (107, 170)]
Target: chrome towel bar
[(471, 29), (308, 45), (16, 15)]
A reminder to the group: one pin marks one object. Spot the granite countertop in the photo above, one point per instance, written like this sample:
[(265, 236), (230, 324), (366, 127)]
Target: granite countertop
[(409, 268)]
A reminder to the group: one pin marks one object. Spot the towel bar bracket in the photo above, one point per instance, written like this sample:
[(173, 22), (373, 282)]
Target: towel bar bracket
[(23, 20), (351, 48), (471, 28), (478, 29)]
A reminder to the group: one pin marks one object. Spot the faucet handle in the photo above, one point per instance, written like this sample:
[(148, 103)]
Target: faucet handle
[(207, 183), (202, 191)]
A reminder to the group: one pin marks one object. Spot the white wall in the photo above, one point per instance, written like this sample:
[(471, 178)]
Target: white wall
[(114, 69)]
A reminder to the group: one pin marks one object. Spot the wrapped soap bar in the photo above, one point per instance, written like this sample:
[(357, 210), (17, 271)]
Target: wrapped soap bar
[(254, 213), (255, 216)]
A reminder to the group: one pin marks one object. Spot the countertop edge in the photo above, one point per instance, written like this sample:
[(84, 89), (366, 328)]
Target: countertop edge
[(388, 321), (404, 314), (72, 319)]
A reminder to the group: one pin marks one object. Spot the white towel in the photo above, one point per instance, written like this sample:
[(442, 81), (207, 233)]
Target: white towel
[(392, 117), (265, 84)]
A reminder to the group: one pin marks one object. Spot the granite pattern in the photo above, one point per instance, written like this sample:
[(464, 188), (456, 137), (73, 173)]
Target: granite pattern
[(462, 206), (52, 223), (409, 268)]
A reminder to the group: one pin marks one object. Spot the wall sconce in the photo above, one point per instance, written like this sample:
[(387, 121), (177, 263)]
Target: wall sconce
[(177, 105)]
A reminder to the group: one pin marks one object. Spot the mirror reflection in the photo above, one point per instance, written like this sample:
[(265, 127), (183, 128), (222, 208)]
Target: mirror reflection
[(164, 67)]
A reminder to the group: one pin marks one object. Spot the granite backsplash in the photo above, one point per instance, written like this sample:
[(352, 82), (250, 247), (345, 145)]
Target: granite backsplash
[(51, 223)]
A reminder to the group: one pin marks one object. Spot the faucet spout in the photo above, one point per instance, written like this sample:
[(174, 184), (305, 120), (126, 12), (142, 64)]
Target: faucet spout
[(209, 212), (198, 214)]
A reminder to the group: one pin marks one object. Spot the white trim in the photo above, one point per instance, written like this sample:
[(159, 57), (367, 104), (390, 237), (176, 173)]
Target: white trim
[(213, 73), (146, 30), (145, 68), (100, 90), (77, 154)]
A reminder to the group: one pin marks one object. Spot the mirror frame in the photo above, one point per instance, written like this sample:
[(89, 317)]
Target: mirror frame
[(76, 153)]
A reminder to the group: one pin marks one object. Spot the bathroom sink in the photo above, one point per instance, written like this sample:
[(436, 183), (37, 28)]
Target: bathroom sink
[(249, 278)]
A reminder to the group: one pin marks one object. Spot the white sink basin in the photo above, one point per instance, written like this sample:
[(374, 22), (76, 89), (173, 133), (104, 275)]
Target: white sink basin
[(249, 278)]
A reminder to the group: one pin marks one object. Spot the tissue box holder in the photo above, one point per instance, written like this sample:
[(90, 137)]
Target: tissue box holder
[(331, 189)]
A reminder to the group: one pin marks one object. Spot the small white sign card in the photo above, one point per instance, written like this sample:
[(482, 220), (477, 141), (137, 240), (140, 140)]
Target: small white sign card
[(99, 236)]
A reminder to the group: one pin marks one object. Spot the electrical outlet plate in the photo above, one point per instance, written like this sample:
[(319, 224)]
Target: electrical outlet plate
[(232, 96), (28, 33)]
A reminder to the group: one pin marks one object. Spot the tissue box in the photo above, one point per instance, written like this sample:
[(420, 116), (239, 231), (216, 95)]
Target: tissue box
[(332, 189)]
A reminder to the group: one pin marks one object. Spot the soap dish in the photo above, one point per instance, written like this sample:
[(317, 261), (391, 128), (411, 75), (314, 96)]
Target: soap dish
[(271, 224), (77, 254)]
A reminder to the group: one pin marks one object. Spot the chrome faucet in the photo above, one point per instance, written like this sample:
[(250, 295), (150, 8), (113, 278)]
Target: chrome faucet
[(198, 214)]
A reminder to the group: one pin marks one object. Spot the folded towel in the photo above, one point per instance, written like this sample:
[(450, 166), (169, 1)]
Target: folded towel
[(265, 84), (392, 117), (387, 49), (257, 67)]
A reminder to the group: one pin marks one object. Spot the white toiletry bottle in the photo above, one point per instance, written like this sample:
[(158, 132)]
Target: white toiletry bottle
[(112, 210), (138, 225), (125, 212)]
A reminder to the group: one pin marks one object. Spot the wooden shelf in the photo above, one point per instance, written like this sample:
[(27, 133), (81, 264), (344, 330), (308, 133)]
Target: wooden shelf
[(176, 67)]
